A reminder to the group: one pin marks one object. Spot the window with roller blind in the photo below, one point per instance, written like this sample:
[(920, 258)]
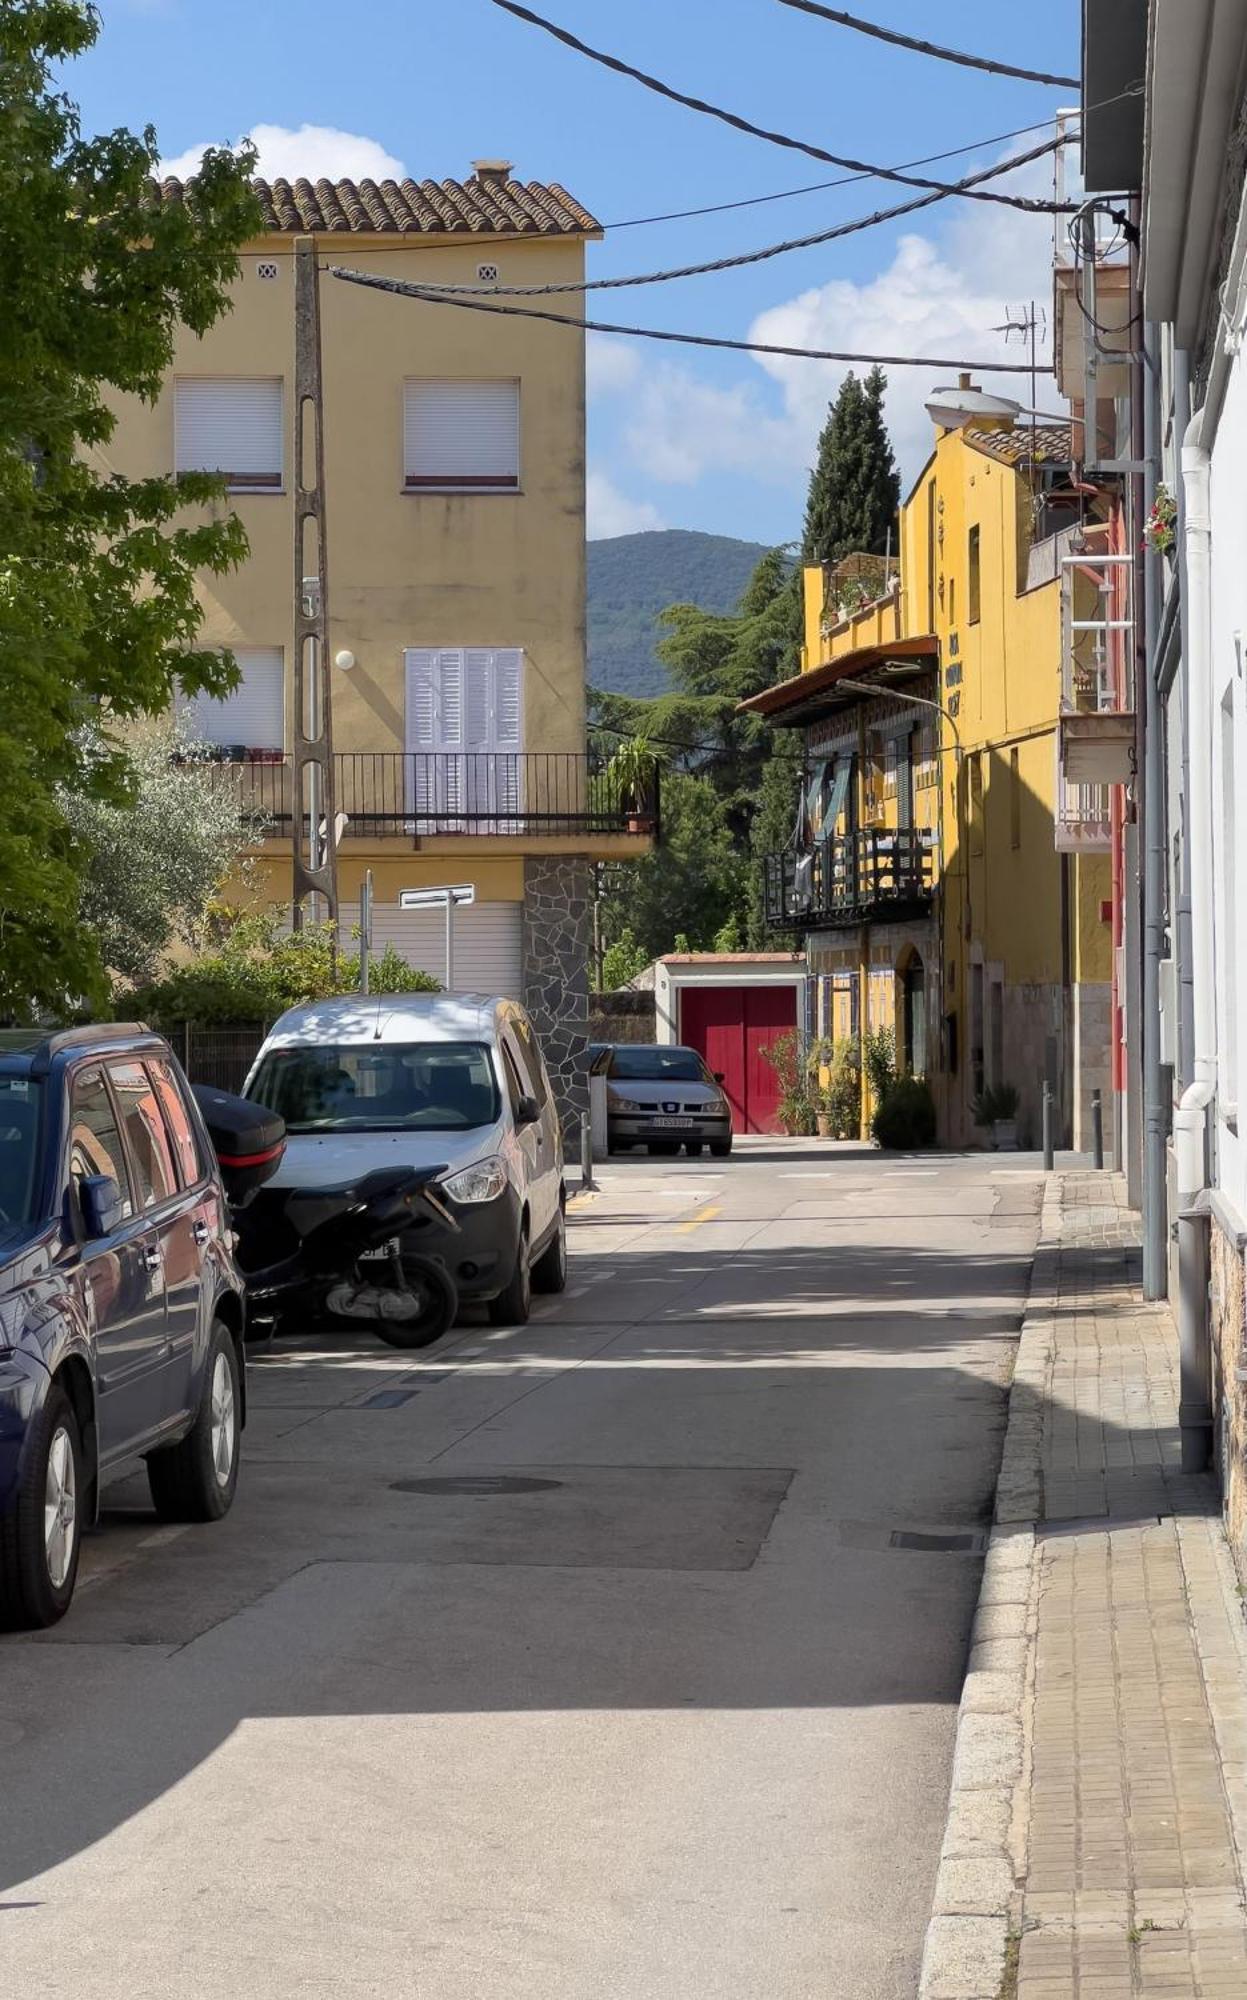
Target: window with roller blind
[(461, 436), (465, 727), (231, 425), (253, 715)]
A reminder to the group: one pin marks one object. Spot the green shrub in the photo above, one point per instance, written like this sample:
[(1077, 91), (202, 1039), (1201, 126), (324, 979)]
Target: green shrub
[(842, 1098), (905, 1117), (996, 1104), (796, 1097), (253, 971), (879, 1056)]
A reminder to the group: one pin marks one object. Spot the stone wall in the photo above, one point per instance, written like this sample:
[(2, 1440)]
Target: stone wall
[(1229, 1352), (558, 921)]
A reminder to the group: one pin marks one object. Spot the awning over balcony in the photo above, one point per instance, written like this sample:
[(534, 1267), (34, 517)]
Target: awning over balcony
[(808, 697)]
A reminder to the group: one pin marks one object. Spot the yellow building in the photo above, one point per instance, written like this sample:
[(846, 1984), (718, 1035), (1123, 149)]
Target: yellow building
[(455, 542), (950, 886)]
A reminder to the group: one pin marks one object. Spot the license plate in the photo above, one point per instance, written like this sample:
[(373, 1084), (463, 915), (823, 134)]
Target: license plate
[(381, 1254), (675, 1124)]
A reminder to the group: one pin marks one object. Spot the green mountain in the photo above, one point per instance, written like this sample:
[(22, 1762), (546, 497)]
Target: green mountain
[(634, 577)]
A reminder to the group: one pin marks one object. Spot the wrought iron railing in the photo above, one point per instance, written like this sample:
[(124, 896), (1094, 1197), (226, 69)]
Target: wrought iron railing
[(388, 793), (843, 880)]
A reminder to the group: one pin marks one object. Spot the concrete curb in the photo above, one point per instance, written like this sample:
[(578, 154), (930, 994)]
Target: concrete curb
[(977, 1903)]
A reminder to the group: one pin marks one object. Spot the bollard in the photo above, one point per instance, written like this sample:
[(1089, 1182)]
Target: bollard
[(1049, 1152), (1097, 1130), (587, 1182)]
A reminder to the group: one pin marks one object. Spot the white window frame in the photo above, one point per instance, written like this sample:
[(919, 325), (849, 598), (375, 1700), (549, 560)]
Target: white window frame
[(449, 481), (236, 482)]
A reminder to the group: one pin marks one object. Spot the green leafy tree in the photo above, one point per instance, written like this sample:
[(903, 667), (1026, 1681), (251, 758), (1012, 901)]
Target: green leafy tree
[(622, 960), (855, 489), (98, 606), (155, 860), (692, 883)]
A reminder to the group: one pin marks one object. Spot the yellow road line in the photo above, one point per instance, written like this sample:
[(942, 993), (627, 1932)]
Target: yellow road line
[(706, 1214)]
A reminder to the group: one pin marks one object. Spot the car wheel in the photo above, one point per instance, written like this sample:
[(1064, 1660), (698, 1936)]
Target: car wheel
[(41, 1535), (720, 1148), (513, 1306), (550, 1270), (194, 1480)]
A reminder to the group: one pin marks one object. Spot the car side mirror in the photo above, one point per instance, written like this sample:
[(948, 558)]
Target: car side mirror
[(102, 1205), (527, 1112)]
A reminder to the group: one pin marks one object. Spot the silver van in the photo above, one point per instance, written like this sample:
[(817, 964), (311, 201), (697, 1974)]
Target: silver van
[(451, 1080)]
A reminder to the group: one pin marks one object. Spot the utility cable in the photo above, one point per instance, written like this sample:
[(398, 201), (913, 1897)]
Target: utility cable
[(744, 257), (402, 290), (900, 41), (841, 180), (745, 125)]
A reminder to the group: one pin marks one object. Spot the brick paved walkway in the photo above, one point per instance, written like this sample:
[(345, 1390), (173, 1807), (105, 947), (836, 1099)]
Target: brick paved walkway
[(1113, 1632)]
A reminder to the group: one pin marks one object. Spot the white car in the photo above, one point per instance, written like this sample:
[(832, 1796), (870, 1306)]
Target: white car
[(453, 1080)]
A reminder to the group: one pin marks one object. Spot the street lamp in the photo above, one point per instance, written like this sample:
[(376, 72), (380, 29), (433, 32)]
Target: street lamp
[(457, 896)]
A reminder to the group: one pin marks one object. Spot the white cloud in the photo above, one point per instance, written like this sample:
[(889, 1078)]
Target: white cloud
[(611, 512), (611, 366), (315, 151), (946, 298)]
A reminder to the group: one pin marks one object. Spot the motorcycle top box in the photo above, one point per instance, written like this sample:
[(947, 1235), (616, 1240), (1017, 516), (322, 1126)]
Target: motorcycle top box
[(248, 1139)]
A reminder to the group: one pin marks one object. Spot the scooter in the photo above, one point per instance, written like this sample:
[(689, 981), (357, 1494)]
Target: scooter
[(346, 1253)]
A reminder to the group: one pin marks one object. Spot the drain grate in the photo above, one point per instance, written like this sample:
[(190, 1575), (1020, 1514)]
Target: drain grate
[(937, 1544), (473, 1484)]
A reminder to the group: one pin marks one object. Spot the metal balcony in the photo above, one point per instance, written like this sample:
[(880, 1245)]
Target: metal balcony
[(851, 879), (423, 794)]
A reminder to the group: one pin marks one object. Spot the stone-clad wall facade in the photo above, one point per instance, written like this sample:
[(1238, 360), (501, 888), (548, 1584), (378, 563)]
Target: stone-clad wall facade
[(558, 924)]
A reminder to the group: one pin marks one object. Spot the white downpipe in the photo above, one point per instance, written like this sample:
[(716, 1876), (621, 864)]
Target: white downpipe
[(1190, 1119)]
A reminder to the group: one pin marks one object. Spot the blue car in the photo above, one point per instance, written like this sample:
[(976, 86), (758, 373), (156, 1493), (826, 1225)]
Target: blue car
[(121, 1307)]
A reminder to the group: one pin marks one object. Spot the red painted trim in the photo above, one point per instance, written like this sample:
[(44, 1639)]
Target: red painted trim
[(252, 1159)]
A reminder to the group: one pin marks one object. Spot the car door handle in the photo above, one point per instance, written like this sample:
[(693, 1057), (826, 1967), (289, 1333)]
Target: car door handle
[(153, 1258), (201, 1232)]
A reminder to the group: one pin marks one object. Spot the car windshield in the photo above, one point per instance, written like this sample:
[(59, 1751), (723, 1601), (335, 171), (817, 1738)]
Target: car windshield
[(20, 1098), (657, 1065), (402, 1087)]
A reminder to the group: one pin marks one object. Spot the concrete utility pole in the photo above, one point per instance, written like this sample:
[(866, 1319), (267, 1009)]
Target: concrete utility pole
[(315, 871)]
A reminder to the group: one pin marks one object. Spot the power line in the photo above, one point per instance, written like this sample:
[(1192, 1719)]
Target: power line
[(746, 256), (745, 125), (421, 292), (842, 180), (929, 48)]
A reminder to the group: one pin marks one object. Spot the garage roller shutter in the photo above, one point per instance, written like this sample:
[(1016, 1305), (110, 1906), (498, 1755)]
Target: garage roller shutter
[(488, 943)]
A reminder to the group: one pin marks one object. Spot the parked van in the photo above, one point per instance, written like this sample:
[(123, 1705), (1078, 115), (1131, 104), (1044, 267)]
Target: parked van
[(450, 1080)]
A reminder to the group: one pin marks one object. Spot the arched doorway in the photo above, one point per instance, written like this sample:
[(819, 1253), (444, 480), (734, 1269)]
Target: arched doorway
[(913, 1049)]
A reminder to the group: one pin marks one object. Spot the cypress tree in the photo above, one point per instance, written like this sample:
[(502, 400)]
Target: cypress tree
[(855, 489)]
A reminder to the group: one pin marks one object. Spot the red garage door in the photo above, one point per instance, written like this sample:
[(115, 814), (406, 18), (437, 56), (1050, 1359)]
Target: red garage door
[(731, 1026)]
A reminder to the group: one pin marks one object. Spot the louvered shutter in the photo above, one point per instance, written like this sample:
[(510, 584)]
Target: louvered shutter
[(461, 434), (253, 716), (231, 425), (489, 943)]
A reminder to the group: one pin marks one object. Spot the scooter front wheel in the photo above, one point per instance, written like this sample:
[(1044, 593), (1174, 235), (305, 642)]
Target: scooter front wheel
[(438, 1317)]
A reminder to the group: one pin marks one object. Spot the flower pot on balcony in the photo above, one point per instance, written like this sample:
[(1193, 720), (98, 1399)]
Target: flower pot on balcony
[(639, 822)]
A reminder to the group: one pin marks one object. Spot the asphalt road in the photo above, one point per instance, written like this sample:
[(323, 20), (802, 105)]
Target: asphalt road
[(669, 1718)]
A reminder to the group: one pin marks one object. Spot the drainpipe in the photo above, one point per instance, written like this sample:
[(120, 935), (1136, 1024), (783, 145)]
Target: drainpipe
[(1182, 947), (1191, 1118), (1155, 1095)]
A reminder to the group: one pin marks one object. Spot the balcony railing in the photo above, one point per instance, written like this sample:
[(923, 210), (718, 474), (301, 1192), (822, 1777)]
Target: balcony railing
[(392, 794), (851, 878)]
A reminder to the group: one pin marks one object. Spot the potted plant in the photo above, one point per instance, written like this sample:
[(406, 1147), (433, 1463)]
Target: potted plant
[(818, 1061), (996, 1110), (631, 777)]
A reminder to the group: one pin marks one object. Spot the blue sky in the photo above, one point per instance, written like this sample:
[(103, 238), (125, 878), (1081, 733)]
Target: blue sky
[(677, 437)]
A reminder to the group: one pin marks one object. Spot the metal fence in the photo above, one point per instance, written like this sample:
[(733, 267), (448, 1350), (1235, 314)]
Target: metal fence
[(220, 1054)]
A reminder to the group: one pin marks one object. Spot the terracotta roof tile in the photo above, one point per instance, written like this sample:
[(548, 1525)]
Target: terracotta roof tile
[(1047, 444), (480, 207)]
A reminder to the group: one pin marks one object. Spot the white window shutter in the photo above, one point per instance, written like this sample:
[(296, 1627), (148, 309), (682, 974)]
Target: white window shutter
[(451, 662), (508, 700), (253, 717), (231, 425), (478, 699), (423, 699), (461, 434)]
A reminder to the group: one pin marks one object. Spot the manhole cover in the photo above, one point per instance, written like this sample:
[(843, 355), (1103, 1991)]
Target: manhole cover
[(479, 1483)]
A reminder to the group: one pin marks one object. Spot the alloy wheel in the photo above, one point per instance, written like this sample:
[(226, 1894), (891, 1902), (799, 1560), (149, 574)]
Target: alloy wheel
[(223, 1419), (60, 1508)]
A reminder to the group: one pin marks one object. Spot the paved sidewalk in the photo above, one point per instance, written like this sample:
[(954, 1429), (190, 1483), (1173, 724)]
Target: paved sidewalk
[(1098, 1819)]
